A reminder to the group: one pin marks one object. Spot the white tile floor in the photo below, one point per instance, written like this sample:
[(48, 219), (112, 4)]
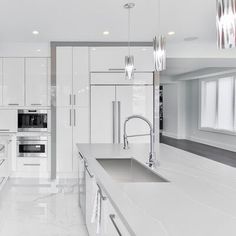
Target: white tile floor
[(34, 210)]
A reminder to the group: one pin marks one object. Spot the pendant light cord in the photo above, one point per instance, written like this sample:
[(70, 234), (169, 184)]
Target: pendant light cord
[(159, 17)]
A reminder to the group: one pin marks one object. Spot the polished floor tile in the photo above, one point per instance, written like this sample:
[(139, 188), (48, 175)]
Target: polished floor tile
[(38, 210)]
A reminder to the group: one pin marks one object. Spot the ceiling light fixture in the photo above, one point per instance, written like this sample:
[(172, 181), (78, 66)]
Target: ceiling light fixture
[(171, 33), (35, 32), (159, 46), (226, 23), (106, 33), (129, 60)]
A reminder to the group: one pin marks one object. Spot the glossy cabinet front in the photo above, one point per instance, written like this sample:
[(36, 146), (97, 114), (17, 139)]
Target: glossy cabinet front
[(13, 81)]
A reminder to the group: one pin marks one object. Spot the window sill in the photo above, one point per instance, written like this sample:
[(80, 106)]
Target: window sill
[(220, 131)]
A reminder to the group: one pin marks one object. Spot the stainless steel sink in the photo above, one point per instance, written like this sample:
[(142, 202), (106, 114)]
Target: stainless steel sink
[(129, 170)]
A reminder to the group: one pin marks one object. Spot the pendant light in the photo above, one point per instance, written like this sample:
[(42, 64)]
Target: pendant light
[(159, 46), (226, 23), (129, 60)]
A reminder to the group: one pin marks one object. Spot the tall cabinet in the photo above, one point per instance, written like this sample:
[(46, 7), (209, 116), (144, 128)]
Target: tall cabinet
[(72, 105)]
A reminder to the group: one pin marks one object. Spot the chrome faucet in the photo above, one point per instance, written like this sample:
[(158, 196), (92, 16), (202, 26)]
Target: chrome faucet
[(152, 160)]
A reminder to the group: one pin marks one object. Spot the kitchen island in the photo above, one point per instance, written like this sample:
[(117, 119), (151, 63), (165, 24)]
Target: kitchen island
[(198, 199)]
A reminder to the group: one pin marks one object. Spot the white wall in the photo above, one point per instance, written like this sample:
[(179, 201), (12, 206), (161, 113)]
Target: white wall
[(193, 132)]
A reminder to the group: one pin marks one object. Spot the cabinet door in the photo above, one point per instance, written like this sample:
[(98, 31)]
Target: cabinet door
[(81, 131), (102, 98), (13, 81), (8, 120), (64, 140), (64, 69), (135, 100), (1, 81), (36, 81), (114, 226), (113, 58), (81, 76)]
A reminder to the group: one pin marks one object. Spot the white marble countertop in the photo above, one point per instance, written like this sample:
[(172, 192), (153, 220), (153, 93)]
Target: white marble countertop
[(199, 200)]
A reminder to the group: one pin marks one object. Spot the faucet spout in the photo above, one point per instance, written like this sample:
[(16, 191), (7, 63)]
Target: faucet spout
[(152, 160)]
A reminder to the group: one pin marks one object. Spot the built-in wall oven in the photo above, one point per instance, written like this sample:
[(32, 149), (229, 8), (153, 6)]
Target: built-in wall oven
[(32, 120), (32, 146)]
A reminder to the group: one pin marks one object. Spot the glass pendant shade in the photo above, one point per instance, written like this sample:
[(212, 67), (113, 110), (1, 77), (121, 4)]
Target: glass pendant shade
[(226, 23), (159, 53), (129, 67)]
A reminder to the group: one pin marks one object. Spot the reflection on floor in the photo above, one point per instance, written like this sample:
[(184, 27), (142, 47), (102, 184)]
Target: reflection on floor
[(210, 152), (28, 208)]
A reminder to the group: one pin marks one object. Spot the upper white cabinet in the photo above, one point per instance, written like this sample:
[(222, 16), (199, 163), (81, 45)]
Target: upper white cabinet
[(81, 76), (112, 59), (64, 73), (36, 75), (13, 81), (72, 76), (8, 120), (1, 81)]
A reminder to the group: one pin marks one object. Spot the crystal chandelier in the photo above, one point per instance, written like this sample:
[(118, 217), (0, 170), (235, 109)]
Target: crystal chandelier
[(159, 45), (226, 23), (129, 60)]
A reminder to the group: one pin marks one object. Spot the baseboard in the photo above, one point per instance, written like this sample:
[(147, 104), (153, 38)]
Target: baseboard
[(170, 135), (212, 143)]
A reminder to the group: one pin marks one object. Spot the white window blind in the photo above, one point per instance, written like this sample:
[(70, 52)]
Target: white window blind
[(218, 104)]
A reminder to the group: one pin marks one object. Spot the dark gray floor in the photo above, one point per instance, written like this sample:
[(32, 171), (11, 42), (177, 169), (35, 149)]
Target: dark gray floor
[(213, 153)]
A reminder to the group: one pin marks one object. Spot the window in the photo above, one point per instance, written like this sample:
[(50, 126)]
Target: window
[(218, 104)]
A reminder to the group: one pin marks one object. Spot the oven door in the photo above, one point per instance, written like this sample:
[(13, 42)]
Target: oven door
[(32, 148), (32, 120)]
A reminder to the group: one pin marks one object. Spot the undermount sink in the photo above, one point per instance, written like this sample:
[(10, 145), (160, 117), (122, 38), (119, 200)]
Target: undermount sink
[(129, 170)]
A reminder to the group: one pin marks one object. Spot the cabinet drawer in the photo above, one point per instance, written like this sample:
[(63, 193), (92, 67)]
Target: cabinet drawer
[(32, 164), (119, 78)]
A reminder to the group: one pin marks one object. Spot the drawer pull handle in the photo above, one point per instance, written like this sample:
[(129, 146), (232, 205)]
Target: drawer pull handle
[(13, 104), (4, 130), (36, 104), (2, 162), (31, 164), (112, 217)]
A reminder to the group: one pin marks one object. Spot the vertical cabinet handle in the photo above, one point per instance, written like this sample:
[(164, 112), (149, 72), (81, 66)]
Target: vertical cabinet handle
[(74, 99), (74, 117), (112, 218), (70, 98), (70, 117)]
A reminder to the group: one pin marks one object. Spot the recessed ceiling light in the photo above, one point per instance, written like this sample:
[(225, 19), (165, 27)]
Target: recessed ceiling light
[(94, 49), (106, 33), (38, 50), (144, 49), (188, 39), (171, 33), (35, 32)]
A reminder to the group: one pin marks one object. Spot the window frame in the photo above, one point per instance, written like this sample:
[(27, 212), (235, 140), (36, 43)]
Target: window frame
[(200, 117)]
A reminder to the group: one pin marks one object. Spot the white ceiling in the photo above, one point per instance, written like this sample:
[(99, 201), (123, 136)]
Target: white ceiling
[(77, 20)]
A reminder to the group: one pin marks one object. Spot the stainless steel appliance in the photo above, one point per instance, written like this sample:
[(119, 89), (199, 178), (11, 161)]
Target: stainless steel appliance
[(32, 120), (32, 146)]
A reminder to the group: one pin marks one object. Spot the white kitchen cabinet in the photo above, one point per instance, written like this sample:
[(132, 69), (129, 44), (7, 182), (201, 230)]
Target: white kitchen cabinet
[(81, 76), (64, 139), (1, 81), (13, 81), (102, 114), (64, 75), (140, 78), (135, 100), (81, 131), (36, 75), (8, 120), (112, 59)]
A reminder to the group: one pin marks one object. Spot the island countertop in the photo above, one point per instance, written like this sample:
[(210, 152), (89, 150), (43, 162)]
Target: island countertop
[(199, 198)]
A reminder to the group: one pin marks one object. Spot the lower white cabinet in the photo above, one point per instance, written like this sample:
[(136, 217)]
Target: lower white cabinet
[(36, 165), (101, 217), (8, 120), (72, 128)]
